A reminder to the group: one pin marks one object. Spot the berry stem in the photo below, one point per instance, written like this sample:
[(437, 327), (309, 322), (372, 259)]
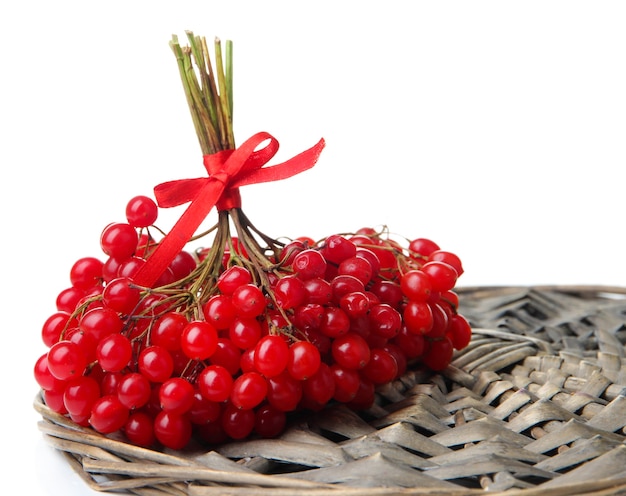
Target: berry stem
[(211, 110), (209, 93)]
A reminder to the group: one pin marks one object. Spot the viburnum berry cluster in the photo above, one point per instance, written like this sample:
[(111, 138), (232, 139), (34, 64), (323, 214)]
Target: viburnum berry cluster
[(224, 342)]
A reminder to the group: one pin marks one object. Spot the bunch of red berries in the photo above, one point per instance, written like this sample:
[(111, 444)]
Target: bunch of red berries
[(328, 322), (167, 345)]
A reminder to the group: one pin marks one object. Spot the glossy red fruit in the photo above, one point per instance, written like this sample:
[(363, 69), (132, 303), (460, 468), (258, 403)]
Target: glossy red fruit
[(121, 295), (381, 368), (271, 355), (248, 391), (172, 430), (108, 414), (198, 340), (86, 273), (248, 300), (351, 351), (139, 429), (442, 275), (439, 354), (304, 360), (422, 247), (232, 278), (215, 383), (119, 240), (66, 360), (141, 211), (460, 331), (309, 263), (176, 395)]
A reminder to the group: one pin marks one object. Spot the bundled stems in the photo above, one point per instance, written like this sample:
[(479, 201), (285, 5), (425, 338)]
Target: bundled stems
[(208, 87), (209, 93)]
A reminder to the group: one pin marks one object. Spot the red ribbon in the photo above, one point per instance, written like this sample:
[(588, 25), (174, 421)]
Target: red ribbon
[(228, 171)]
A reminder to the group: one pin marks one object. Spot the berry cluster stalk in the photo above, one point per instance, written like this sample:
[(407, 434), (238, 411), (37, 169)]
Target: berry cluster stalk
[(208, 87)]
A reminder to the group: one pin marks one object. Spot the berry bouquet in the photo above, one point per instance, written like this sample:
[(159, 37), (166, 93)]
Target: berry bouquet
[(186, 337)]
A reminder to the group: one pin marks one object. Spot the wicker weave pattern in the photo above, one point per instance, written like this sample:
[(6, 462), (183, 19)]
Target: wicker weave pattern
[(535, 405)]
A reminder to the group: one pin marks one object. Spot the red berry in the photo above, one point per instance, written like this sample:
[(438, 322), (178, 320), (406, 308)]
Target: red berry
[(66, 360), (269, 421), (204, 411), (183, 264), (343, 284), (119, 240), (176, 395), (198, 340), (318, 291), (440, 322), (172, 430), (364, 397), (309, 263), (335, 322), (351, 351), (381, 368), (271, 355), (385, 320), (101, 322), (167, 330), (418, 317), (68, 298), (248, 391), (141, 211), (108, 414), (53, 327), (358, 267), (139, 429), (114, 352), (290, 292), (248, 300), (346, 383), (422, 247), (416, 285), (388, 292), (412, 344), (80, 394), (449, 258), (238, 423), (355, 304), (121, 295), (304, 360), (371, 257), (227, 355), (337, 248), (44, 377), (245, 332), (86, 273), (460, 331), (54, 400), (232, 278), (320, 387), (215, 383), (439, 354), (133, 390), (443, 276), (156, 363), (220, 311), (284, 392)]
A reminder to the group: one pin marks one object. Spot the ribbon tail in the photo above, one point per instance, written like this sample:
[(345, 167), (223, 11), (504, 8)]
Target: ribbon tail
[(174, 193), (179, 235), (299, 163)]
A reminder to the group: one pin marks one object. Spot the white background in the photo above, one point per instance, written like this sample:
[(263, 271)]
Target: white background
[(495, 128)]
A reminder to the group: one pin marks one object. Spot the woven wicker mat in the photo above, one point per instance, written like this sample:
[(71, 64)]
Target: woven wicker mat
[(535, 405)]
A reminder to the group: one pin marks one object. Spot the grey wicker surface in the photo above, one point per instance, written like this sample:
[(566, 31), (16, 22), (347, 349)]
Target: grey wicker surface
[(534, 405)]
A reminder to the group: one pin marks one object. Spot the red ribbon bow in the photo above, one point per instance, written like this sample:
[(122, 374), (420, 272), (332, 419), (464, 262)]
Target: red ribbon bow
[(228, 170)]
